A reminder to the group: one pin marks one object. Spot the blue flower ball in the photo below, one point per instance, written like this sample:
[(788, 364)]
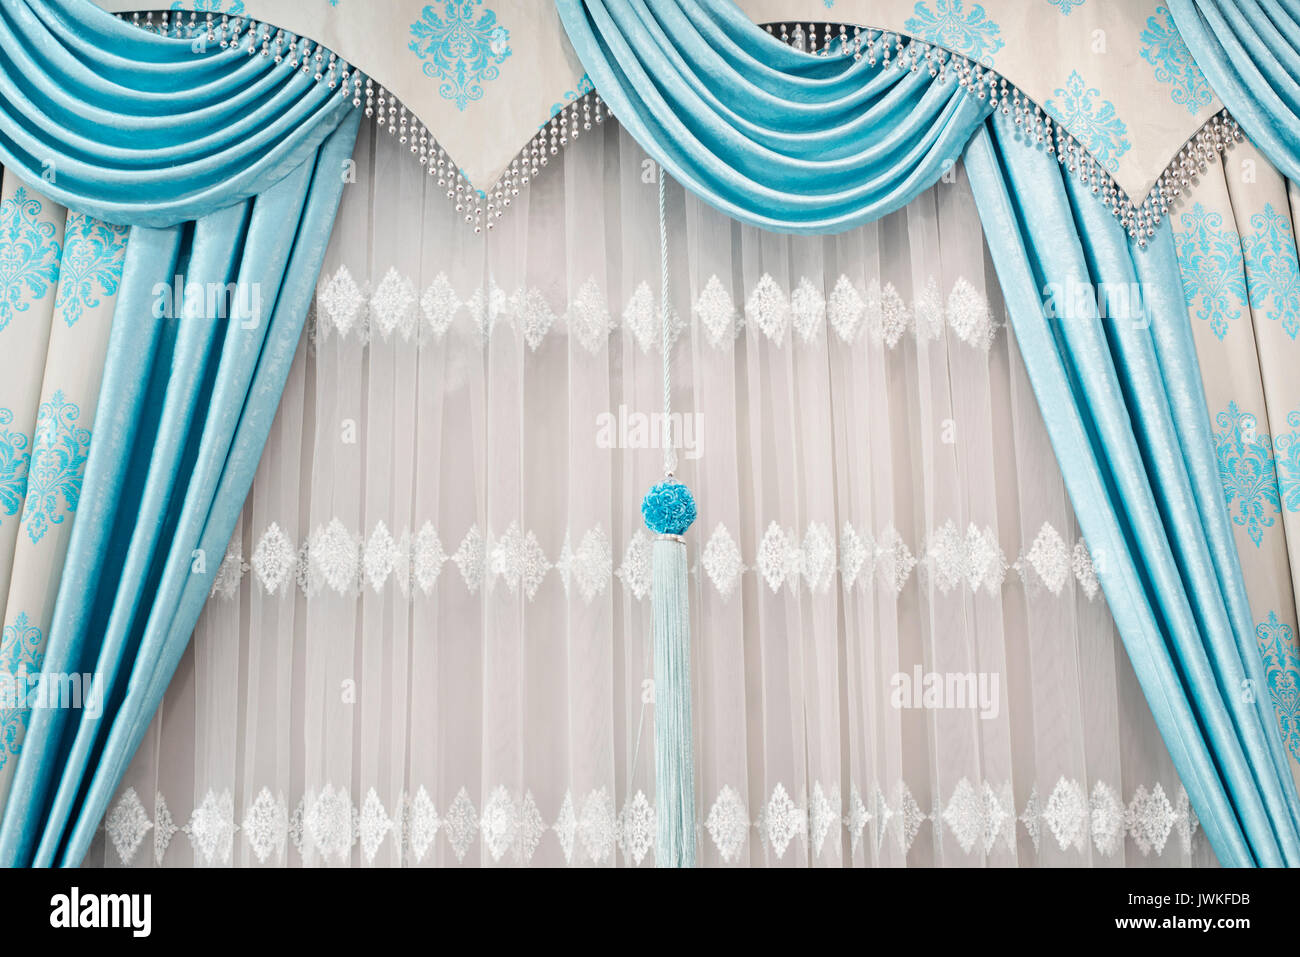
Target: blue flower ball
[(669, 508)]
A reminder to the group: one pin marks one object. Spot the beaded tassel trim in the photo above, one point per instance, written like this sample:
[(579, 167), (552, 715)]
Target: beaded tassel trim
[(481, 208)]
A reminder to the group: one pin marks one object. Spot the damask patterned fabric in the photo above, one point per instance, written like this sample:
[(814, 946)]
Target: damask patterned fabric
[(1235, 233), (432, 626), (59, 273)]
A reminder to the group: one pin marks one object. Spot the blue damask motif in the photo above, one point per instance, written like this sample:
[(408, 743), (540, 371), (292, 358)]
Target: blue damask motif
[(57, 466), (1246, 470), (460, 47), (29, 254), (1066, 5), (1277, 645), (20, 653), (1286, 449), (1091, 120), (1211, 264), (14, 460), (1272, 269), (950, 24), (93, 254), (1164, 49)]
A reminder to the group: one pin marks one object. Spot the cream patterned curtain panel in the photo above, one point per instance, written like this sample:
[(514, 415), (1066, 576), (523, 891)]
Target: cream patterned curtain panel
[(1236, 239), (429, 644), (59, 273)]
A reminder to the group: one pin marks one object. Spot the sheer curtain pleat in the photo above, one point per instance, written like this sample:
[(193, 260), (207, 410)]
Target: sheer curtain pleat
[(430, 642)]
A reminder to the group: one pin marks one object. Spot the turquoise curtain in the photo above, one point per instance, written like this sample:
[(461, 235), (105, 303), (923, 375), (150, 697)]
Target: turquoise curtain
[(142, 130), (1249, 51), (1123, 402), (766, 133), (228, 168), (1122, 399)]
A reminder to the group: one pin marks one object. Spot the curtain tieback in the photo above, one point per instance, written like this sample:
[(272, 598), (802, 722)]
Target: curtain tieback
[(669, 510)]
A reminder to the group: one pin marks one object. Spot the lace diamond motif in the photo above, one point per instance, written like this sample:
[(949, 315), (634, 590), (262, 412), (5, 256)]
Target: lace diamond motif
[(728, 824), (266, 826), (127, 824), (637, 569), (722, 561), (392, 306), (274, 560), (717, 311), (636, 828), (807, 309)]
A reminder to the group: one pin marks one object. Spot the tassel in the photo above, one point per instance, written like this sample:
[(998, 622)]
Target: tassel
[(669, 510)]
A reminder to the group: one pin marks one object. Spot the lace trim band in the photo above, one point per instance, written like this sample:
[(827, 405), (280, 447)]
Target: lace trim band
[(395, 308), (347, 563), (326, 825)]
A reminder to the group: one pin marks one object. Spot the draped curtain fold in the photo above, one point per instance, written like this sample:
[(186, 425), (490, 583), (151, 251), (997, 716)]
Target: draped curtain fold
[(1122, 397), (1139, 463), (1249, 51), (765, 133), (227, 168), (145, 130)]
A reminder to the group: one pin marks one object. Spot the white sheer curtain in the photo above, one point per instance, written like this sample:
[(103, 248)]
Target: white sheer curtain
[(429, 644)]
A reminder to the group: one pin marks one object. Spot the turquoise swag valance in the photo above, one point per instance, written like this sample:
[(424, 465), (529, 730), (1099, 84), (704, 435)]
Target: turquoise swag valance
[(225, 155), (819, 142), (765, 132), (143, 130)]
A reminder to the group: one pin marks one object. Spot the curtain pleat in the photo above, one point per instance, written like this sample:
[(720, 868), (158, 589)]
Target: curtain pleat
[(1249, 51), (194, 404), (146, 130), (1139, 463), (765, 133), (227, 168)]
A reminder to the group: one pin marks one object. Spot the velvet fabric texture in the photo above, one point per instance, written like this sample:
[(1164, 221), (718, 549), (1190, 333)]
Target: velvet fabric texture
[(229, 169), (1121, 396), (768, 134), (1249, 51)]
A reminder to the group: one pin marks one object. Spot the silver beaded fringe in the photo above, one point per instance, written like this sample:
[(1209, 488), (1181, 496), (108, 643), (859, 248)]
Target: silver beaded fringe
[(481, 208)]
